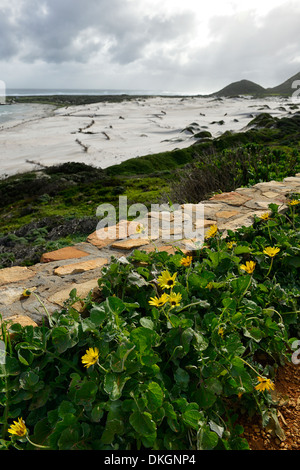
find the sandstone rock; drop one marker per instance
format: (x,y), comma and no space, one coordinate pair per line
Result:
(83,290)
(130,243)
(82,267)
(271,195)
(9,295)
(204,223)
(233,198)
(22,320)
(15,274)
(68,252)
(103,237)
(226,214)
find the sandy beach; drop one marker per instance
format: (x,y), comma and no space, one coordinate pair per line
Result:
(104,134)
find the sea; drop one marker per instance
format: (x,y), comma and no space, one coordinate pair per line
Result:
(24,111)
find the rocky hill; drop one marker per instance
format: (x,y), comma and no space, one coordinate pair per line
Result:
(247,87)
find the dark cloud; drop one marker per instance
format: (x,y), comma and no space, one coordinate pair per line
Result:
(72,30)
(149,49)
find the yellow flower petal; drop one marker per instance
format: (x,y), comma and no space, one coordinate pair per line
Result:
(271,251)
(90,357)
(159,301)
(211,232)
(248,267)
(166,281)
(186,261)
(264,384)
(174,299)
(18,428)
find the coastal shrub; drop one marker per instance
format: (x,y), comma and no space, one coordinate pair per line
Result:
(231,168)
(168,356)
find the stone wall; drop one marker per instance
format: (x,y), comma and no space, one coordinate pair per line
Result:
(80,266)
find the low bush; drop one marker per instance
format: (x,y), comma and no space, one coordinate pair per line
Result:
(169,357)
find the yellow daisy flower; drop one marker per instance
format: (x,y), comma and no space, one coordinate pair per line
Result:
(166,281)
(186,261)
(230,245)
(264,384)
(90,357)
(174,299)
(270,251)
(159,301)
(26,293)
(221,331)
(265,216)
(248,267)
(294,202)
(18,428)
(140,228)
(211,232)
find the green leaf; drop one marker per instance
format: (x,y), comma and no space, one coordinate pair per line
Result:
(62,339)
(118,358)
(97,412)
(182,378)
(155,396)
(113,427)
(191,416)
(206,439)
(97,315)
(144,338)
(66,407)
(114,305)
(86,393)
(135,279)
(240,250)
(142,423)
(28,380)
(114,384)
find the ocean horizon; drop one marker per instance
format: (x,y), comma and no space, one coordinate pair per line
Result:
(85,91)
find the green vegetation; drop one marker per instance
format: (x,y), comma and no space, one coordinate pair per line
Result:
(170,356)
(62,200)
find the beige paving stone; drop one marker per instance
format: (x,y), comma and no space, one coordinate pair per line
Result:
(82,289)
(204,223)
(233,198)
(271,195)
(82,267)
(170,249)
(105,236)
(226,214)
(130,243)
(15,274)
(68,252)
(9,295)
(22,320)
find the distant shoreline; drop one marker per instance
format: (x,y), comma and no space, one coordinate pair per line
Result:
(106,130)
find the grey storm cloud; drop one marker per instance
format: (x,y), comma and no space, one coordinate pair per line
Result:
(72,30)
(121,39)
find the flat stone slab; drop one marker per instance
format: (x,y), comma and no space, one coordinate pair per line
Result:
(15,274)
(9,295)
(105,236)
(82,267)
(233,198)
(22,320)
(62,254)
(130,244)
(83,290)
(226,214)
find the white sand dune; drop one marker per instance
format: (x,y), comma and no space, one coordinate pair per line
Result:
(104,134)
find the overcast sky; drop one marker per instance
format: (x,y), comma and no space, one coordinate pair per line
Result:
(187,46)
